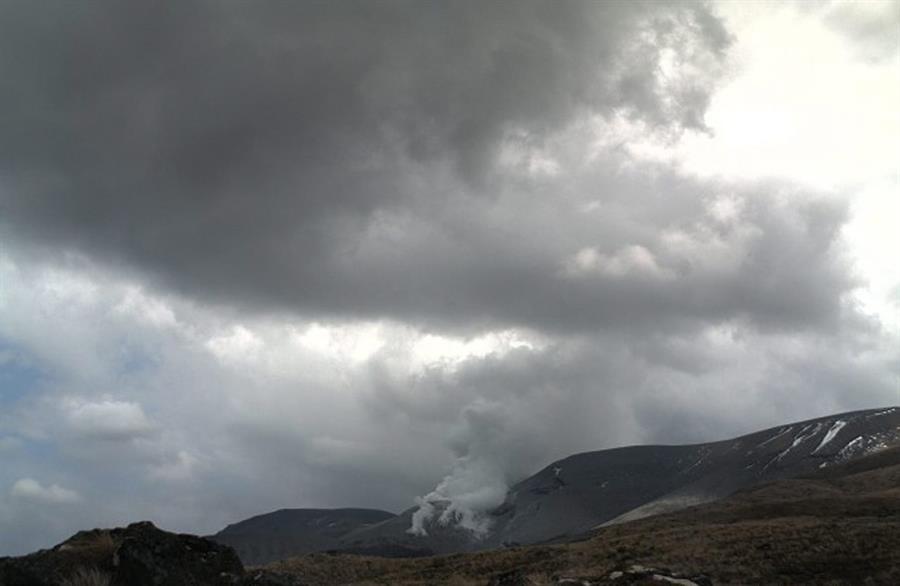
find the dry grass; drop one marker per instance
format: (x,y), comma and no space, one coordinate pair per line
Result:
(87,577)
(778,551)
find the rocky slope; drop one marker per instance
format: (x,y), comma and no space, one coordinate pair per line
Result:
(836,525)
(583,491)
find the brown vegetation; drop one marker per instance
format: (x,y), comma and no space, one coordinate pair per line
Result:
(87,577)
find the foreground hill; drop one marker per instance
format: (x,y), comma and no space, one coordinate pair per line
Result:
(583,491)
(281,534)
(137,555)
(836,525)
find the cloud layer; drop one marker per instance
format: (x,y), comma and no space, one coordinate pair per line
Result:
(302,156)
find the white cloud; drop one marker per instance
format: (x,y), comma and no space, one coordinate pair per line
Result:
(31,490)
(237,346)
(108,419)
(355,342)
(146,307)
(629,261)
(807,103)
(430,349)
(799,105)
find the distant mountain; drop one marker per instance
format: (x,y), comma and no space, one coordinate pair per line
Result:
(584,491)
(839,524)
(287,532)
(811,502)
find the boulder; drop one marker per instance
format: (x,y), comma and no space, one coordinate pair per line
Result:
(147,556)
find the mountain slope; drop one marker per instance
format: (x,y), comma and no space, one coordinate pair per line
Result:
(587,490)
(839,524)
(287,532)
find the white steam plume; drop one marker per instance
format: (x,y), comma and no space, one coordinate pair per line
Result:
(463,497)
(478,481)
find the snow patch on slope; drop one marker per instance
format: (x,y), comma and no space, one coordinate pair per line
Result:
(832,433)
(879,413)
(850,447)
(781,432)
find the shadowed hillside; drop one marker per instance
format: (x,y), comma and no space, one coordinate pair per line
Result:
(830,515)
(288,532)
(583,491)
(839,525)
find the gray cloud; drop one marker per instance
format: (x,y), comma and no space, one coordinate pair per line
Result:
(247,419)
(248,153)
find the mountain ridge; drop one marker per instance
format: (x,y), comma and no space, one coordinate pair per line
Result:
(824,507)
(836,525)
(264,538)
(580,492)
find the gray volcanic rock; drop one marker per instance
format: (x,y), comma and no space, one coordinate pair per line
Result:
(581,492)
(287,532)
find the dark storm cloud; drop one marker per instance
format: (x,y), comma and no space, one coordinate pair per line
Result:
(648,256)
(250,152)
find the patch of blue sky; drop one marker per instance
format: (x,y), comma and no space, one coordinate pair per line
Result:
(134,359)
(19,374)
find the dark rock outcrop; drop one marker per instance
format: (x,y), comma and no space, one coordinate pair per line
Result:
(137,555)
(147,556)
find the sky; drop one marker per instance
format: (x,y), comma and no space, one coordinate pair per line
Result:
(266,255)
